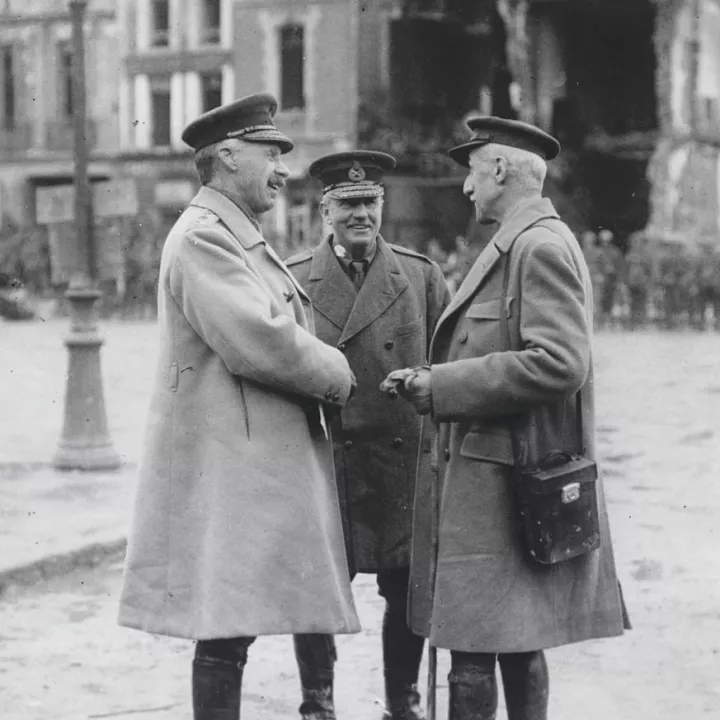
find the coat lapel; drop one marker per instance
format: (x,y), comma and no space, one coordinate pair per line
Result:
(524,216)
(330,289)
(240,225)
(385,281)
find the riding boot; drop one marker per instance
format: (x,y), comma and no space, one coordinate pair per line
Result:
(402,653)
(315,655)
(473,693)
(526,683)
(217,678)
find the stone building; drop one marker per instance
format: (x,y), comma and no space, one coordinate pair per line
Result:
(36,135)
(631,87)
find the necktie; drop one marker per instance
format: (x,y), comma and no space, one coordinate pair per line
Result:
(358,271)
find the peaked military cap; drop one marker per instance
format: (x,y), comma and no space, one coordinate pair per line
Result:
(489,129)
(251,119)
(354,174)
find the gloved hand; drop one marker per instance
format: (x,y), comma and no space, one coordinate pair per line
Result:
(413,385)
(394,384)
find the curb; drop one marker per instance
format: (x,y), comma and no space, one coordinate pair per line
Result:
(52,566)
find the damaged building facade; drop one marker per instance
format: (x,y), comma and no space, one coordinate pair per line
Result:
(632,87)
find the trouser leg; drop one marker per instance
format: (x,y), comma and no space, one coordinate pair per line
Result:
(472,687)
(402,649)
(316,655)
(217,678)
(526,684)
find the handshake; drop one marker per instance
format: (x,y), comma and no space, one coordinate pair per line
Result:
(413,385)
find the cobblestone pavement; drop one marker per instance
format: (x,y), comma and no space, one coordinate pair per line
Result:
(62,656)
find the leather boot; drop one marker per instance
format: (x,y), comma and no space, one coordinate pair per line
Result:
(526,682)
(473,692)
(217,678)
(315,655)
(216,688)
(402,653)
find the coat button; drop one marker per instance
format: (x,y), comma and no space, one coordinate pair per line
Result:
(348,444)
(336,397)
(389,345)
(342,347)
(463,337)
(397,442)
(329,395)
(447,454)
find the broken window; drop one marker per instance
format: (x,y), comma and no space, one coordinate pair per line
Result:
(211,84)
(210,22)
(65,84)
(292,67)
(160,101)
(709,69)
(160,36)
(8,88)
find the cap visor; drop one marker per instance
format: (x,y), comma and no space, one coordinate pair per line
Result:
(461,153)
(356,190)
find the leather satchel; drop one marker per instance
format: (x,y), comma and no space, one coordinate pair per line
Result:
(556,500)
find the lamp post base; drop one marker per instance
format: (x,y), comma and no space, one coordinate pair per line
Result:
(85,442)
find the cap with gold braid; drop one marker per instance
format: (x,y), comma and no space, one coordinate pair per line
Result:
(251,119)
(355,174)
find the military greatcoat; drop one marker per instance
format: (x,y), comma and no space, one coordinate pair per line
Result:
(237,527)
(385,326)
(473,588)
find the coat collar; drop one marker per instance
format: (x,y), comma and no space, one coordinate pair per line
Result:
(522,217)
(330,289)
(242,228)
(239,224)
(334,296)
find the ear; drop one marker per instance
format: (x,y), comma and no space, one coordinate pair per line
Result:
(501,170)
(226,157)
(325,212)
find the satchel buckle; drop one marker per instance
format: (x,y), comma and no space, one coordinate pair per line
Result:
(570,493)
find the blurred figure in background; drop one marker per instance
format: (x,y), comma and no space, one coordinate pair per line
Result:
(638,280)
(610,260)
(709,285)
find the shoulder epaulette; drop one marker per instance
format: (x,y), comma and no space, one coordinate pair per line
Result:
(303,256)
(406,251)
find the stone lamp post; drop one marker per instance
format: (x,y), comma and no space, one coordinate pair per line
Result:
(85,441)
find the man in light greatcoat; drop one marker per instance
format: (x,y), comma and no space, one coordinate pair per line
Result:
(475,589)
(237,529)
(377,303)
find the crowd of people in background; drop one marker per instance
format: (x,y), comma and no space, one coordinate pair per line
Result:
(650,285)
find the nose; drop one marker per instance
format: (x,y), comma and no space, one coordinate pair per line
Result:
(467,186)
(282,169)
(360,210)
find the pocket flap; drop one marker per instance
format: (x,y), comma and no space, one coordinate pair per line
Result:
(489,310)
(409,328)
(492,447)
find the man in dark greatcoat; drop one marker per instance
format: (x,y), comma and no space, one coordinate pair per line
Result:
(378,304)
(512,350)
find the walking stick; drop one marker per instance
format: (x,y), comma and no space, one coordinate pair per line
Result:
(434,522)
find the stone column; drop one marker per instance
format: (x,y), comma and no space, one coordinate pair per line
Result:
(177,109)
(142,119)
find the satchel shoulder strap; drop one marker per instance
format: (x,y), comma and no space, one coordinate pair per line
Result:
(505,328)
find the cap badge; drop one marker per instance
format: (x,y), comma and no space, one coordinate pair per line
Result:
(356,172)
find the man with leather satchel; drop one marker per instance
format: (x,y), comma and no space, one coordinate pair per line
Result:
(511,546)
